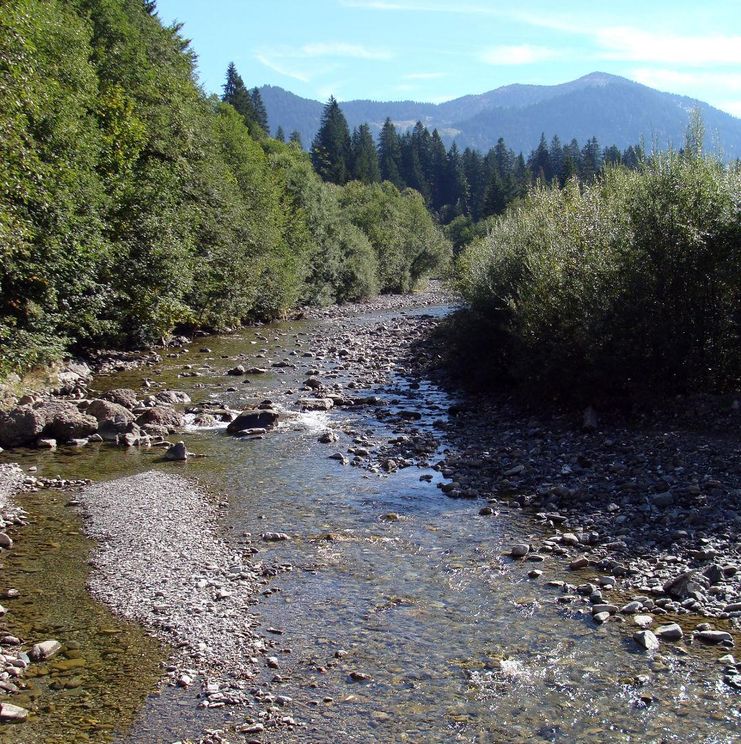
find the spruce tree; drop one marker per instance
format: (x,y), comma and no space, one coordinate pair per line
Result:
(280,134)
(330,150)
(389,154)
(295,138)
(364,156)
(237,95)
(260,112)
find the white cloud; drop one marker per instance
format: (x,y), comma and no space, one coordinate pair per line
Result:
(684,79)
(625,43)
(282,69)
(523,54)
(341,49)
(732,107)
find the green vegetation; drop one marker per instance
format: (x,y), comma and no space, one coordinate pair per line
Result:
(628,284)
(130,203)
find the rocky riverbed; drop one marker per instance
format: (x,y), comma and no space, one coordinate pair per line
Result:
(632,523)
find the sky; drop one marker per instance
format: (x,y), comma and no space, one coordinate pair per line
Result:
(436,50)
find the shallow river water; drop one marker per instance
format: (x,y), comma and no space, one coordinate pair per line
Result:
(457,642)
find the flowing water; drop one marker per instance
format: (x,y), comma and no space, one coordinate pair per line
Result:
(458,644)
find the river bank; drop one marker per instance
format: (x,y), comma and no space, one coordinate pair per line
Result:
(168,548)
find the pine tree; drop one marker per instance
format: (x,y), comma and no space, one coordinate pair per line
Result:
(591,160)
(295,138)
(280,134)
(261,113)
(556,155)
(439,164)
(364,156)
(389,154)
(330,150)
(237,95)
(539,161)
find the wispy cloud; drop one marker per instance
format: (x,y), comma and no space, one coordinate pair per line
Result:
(281,69)
(661,77)
(425,7)
(307,62)
(341,49)
(625,43)
(522,54)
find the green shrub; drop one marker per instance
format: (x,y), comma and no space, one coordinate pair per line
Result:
(630,283)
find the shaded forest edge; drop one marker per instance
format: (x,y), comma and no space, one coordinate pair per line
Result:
(131,203)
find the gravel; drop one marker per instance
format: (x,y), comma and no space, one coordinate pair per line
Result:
(160,561)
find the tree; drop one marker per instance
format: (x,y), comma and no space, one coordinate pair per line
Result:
(389,154)
(295,138)
(280,134)
(330,150)
(364,156)
(237,95)
(260,112)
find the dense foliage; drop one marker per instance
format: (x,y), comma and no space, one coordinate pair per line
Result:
(628,284)
(463,188)
(130,203)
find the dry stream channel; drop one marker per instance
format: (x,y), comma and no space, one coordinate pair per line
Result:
(448,638)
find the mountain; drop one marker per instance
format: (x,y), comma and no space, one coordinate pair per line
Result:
(614,109)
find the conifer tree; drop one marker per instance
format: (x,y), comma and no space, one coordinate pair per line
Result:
(237,95)
(330,150)
(260,112)
(364,156)
(389,154)
(295,138)
(280,134)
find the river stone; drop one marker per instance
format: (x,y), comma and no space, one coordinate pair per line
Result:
(64,421)
(122,396)
(520,550)
(20,426)
(172,397)
(177,452)
(601,617)
(713,636)
(161,416)
(316,404)
(670,632)
(643,621)
(603,607)
(5,541)
(254,419)
(683,585)
(45,650)
(12,713)
(646,639)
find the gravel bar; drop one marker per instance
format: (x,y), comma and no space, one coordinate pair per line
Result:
(160,561)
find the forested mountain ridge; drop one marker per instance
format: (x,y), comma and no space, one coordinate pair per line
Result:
(613,109)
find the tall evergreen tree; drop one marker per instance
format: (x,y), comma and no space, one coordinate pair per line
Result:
(237,95)
(296,138)
(591,160)
(389,154)
(260,112)
(330,150)
(280,135)
(539,161)
(364,156)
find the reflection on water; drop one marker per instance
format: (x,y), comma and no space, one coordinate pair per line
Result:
(457,643)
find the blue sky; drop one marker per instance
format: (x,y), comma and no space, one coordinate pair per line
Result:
(435,50)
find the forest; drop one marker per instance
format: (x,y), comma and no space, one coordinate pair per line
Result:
(131,203)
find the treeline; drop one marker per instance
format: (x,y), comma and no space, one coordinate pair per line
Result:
(458,187)
(131,203)
(611,289)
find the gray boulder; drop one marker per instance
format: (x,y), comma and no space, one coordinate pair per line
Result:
(20,426)
(113,419)
(123,396)
(254,419)
(161,416)
(177,452)
(63,421)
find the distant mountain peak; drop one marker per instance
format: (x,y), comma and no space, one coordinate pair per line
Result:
(616,110)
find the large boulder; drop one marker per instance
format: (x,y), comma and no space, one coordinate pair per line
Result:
(161,416)
(20,426)
(106,412)
(123,396)
(172,396)
(686,585)
(254,419)
(63,421)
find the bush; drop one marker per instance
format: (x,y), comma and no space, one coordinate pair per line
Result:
(628,284)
